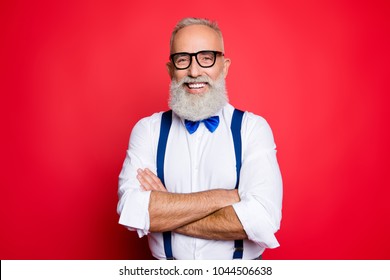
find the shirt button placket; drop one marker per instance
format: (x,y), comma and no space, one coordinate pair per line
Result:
(195,163)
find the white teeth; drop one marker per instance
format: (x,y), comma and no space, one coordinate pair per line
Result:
(195,86)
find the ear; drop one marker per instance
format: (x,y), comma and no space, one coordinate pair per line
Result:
(226,65)
(170,69)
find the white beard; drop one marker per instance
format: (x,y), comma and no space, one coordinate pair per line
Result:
(196,107)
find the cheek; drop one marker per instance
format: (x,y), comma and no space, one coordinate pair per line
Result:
(215,75)
(216,71)
(178,75)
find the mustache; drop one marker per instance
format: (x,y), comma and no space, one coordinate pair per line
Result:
(197,107)
(200,79)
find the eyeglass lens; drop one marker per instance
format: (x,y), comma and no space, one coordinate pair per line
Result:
(204,59)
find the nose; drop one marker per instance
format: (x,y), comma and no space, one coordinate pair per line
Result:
(194,70)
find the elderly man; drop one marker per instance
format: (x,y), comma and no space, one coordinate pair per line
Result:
(201,180)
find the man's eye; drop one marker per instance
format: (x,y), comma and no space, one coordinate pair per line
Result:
(182,59)
(207,58)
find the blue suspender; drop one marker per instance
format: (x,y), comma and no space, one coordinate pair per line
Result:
(236,132)
(166,121)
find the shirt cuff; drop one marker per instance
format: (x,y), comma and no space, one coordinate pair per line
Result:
(257,224)
(135,214)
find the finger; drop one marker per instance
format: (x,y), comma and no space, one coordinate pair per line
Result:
(144,183)
(155,179)
(147,181)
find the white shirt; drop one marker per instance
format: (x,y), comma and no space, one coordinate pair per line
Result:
(203,161)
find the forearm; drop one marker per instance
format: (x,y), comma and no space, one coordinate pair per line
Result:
(169,211)
(220,225)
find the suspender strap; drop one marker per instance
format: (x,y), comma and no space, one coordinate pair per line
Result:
(167,235)
(166,121)
(236,132)
(238,249)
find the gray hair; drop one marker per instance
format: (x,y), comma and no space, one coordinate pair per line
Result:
(195,21)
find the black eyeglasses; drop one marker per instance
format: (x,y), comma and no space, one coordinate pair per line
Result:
(205,59)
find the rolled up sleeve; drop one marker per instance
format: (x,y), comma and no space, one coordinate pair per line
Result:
(133,202)
(260,188)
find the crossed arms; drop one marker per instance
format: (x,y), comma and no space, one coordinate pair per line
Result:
(219,214)
(207,214)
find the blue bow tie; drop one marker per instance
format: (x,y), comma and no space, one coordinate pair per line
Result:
(211,124)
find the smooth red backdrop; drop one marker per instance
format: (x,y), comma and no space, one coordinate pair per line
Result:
(77,75)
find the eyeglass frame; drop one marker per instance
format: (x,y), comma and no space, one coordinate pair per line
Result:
(196,58)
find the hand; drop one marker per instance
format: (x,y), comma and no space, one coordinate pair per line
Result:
(149,181)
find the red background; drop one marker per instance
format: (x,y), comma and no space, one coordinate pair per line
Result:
(77,75)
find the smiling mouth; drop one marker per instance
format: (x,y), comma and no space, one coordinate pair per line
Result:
(196,85)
